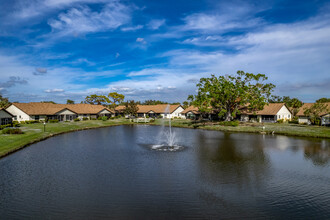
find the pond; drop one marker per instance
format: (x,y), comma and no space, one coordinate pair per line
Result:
(113,173)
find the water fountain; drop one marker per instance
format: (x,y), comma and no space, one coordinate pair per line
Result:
(166,136)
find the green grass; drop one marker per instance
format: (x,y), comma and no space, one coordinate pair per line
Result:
(284,129)
(35,132)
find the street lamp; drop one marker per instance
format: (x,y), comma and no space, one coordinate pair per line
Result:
(44,126)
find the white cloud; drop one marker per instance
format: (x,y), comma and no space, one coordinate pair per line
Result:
(82,20)
(54,90)
(156,24)
(132,28)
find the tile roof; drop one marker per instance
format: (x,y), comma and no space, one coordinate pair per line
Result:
(39,108)
(308,105)
(269,109)
(161,108)
(192,109)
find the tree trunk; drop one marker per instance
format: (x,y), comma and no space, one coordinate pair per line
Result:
(228,116)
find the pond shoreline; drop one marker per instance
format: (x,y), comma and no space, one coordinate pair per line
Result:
(176,123)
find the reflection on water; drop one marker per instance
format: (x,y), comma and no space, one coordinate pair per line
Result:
(110,173)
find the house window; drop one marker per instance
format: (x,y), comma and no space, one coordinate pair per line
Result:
(37,117)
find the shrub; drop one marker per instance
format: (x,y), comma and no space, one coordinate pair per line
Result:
(112,118)
(31,121)
(85,118)
(4,126)
(280,120)
(99,118)
(104,118)
(93,118)
(12,131)
(76,119)
(229,123)
(293,122)
(53,121)
(16,124)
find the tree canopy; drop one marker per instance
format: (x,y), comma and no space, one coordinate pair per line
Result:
(131,108)
(224,95)
(96,99)
(4,102)
(69,101)
(114,99)
(323,100)
(314,112)
(293,103)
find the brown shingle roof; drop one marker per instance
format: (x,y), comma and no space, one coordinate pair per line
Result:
(39,108)
(269,109)
(192,109)
(161,108)
(308,105)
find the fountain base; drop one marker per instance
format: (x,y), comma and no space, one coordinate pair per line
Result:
(161,147)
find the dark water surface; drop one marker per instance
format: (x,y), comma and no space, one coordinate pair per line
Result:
(111,173)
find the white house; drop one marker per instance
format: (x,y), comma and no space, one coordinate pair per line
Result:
(272,112)
(61,112)
(5,117)
(161,110)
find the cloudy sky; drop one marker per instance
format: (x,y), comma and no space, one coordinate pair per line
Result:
(60,49)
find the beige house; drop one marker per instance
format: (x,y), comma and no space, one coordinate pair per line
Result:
(272,112)
(161,110)
(5,117)
(61,112)
(191,112)
(324,116)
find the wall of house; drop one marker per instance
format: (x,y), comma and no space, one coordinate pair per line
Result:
(4,114)
(20,115)
(81,116)
(41,117)
(303,119)
(325,120)
(105,112)
(284,113)
(244,118)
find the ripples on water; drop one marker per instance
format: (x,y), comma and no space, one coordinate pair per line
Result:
(110,173)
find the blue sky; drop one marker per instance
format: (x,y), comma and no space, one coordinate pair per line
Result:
(67,49)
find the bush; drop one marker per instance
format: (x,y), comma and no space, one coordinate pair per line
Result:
(85,118)
(229,123)
(93,118)
(4,126)
(12,131)
(53,121)
(31,121)
(293,122)
(99,118)
(104,118)
(76,119)
(112,118)
(16,124)
(280,120)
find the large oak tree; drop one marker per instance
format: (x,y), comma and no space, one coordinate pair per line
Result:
(224,95)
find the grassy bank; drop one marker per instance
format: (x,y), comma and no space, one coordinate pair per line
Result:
(276,128)
(35,132)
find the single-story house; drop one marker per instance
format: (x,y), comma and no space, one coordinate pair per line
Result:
(271,112)
(324,116)
(191,112)
(5,117)
(62,112)
(161,110)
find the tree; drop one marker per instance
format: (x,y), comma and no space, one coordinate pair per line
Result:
(4,102)
(48,102)
(314,112)
(323,100)
(131,108)
(96,99)
(114,99)
(224,95)
(153,102)
(185,104)
(69,101)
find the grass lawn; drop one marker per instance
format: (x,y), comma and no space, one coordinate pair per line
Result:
(285,128)
(35,132)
